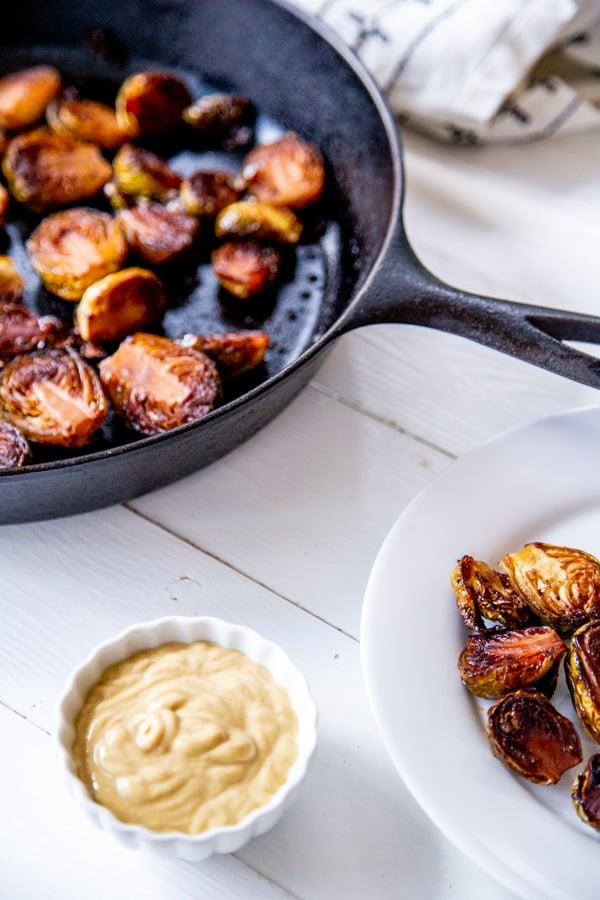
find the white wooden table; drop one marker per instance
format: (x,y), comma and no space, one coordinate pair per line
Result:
(281,535)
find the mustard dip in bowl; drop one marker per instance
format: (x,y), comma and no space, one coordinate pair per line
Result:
(186,736)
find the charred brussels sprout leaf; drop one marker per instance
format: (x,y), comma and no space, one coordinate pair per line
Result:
(73,248)
(482,593)
(155,384)
(560,584)
(585,792)
(495,664)
(120,304)
(582,669)
(45,171)
(532,738)
(288,172)
(53,397)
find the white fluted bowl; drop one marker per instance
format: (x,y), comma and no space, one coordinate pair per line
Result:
(224,839)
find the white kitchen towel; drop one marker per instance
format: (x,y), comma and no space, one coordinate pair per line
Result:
(474,71)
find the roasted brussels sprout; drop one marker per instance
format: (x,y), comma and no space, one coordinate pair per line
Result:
(138,172)
(86,120)
(22,330)
(234,352)
(73,248)
(532,738)
(151,103)
(45,171)
(24,96)
(14,447)
(119,304)
(585,792)
(482,593)
(245,268)
(53,397)
(249,219)
(4,204)
(155,384)
(288,172)
(224,118)
(560,584)
(206,193)
(582,669)
(155,233)
(492,665)
(12,283)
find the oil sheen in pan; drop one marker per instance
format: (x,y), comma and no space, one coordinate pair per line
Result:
(294,313)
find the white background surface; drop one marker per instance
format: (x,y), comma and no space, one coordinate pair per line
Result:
(282,534)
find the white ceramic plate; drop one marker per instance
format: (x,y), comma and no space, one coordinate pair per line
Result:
(541,482)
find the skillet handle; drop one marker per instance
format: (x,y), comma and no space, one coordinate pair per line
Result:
(404,291)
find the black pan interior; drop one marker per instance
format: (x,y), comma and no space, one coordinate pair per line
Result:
(297,81)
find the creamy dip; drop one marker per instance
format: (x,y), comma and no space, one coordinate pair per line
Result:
(185,737)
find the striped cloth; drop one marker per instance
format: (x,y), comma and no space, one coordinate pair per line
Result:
(478,71)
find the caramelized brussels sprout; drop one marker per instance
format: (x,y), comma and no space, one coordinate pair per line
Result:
(12,284)
(14,447)
(495,664)
(157,234)
(245,268)
(119,304)
(482,593)
(86,120)
(139,172)
(585,792)
(224,118)
(24,96)
(289,172)
(560,584)
(582,669)
(532,738)
(4,204)
(46,171)
(155,384)
(73,248)
(249,219)
(22,330)
(151,103)
(204,194)
(234,352)
(54,397)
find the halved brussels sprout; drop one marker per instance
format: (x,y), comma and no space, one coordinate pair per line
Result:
(245,268)
(86,120)
(532,738)
(582,669)
(560,584)
(119,304)
(73,248)
(288,172)
(22,330)
(138,172)
(482,593)
(234,352)
(495,664)
(157,234)
(14,447)
(53,397)
(224,118)
(46,171)
(155,384)
(24,96)
(249,219)
(585,792)
(206,193)
(151,102)
(12,283)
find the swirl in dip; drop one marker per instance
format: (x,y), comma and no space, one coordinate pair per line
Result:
(185,737)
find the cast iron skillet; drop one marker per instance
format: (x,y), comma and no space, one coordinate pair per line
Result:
(355,267)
